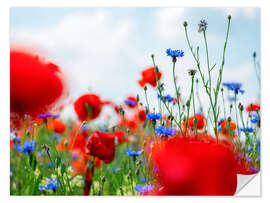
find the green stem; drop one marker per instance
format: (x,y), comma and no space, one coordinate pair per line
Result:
(177,94)
(160,93)
(208,66)
(189,101)
(194,111)
(198,97)
(236,116)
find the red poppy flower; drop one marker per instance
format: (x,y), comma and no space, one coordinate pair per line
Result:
(79,143)
(200,122)
(253,107)
(190,166)
(149,76)
(120,135)
(101,145)
(57,126)
(88,181)
(88,107)
(35,85)
(131,123)
(15,121)
(243,167)
(225,125)
(142,115)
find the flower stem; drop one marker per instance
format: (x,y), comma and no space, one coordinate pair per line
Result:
(160,93)
(189,100)
(177,94)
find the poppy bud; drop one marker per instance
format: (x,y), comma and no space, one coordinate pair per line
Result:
(66,143)
(145,88)
(138,98)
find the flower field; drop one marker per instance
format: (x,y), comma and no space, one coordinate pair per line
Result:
(178,147)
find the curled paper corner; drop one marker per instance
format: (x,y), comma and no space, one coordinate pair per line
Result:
(248,185)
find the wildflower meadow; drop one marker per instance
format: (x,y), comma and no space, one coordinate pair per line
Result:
(174,144)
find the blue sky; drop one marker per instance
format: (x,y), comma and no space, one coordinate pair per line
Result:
(103,50)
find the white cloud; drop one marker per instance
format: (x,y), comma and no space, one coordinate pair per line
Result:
(169,26)
(104,55)
(92,48)
(241,12)
(168,21)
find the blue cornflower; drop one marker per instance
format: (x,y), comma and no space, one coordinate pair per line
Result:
(166,98)
(153,116)
(50,164)
(234,86)
(174,53)
(57,137)
(52,185)
(252,169)
(17,147)
(41,187)
(130,102)
(84,128)
(144,189)
(165,131)
(104,130)
(48,115)
(254,118)
(17,139)
(133,153)
(250,130)
(28,147)
(202,25)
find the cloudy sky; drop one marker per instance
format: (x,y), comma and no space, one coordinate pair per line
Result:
(103,50)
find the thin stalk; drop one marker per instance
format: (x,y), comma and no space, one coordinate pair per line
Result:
(194,111)
(160,93)
(189,100)
(208,66)
(236,116)
(177,94)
